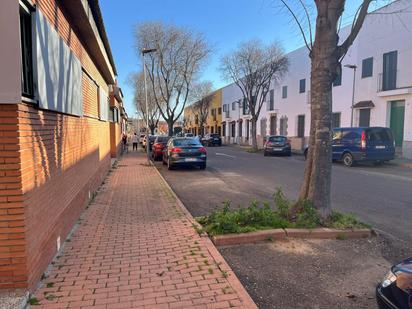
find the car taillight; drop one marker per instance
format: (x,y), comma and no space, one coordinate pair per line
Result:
(176,150)
(363,140)
(202,150)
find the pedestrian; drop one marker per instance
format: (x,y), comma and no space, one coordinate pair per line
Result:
(135,141)
(124,142)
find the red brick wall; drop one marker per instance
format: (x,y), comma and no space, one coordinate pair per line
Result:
(66,159)
(50,164)
(13,269)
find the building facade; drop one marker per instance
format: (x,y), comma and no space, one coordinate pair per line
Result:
(61,117)
(379,65)
(213,122)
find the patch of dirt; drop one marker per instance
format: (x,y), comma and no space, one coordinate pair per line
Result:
(310,273)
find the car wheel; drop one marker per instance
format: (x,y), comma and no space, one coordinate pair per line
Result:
(289,154)
(348,159)
(377,163)
(203,166)
(163,161)
(169,165)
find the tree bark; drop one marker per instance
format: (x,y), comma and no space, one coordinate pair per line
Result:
(170,123)
(325,64)
(253,134)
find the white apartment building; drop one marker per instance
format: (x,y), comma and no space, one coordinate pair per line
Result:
(382,54)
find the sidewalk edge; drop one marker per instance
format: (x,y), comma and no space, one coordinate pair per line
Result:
(232,278)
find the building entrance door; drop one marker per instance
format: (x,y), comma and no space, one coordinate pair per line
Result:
(397,121)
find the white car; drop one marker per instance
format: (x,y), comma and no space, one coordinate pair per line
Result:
(141,138)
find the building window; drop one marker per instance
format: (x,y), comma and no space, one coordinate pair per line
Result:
(283,126)
(272,100)
(245,106)
(219,111)
(26,52)
(302,85)
(338,80)
(240,129)
(263,128)
(233,127)
(224,129)
(301,126)
(390,67)
(367,67)
(364,117)
(284,92)
(233,106)
(335,120)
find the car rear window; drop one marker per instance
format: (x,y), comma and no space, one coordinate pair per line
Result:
(186,142)
(379,135)
(277,139)
(162,139)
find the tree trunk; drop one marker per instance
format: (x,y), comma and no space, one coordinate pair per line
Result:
(254,138)
(318,170)
(170,127)
(152,129)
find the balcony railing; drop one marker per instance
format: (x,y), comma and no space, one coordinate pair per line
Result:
(388,80)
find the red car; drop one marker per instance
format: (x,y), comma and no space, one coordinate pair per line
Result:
(158,145)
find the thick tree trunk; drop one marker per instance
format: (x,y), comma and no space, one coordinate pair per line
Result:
(318,170)
(170,127)
(152,129)
(254,137)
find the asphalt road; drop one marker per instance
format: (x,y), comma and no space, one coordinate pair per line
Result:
(379,195)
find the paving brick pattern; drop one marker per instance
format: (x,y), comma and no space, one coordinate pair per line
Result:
(135,247)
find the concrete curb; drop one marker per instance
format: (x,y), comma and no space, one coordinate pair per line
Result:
(282,234)
(247,301)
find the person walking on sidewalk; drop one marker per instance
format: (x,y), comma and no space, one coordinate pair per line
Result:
(135,141)
(124,143)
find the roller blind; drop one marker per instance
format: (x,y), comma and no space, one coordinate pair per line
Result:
(58,71)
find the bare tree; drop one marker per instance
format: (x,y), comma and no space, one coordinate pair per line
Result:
(174,66)
(202,92)
(254,67)
(152,115)
(326,54)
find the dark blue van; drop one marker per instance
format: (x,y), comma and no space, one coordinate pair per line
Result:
(373,144)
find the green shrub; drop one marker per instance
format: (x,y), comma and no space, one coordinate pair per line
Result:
(262,216)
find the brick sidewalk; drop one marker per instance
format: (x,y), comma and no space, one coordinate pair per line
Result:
(135,247)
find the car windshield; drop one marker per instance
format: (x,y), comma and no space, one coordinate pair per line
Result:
(277,139)
(186,142)
(162,139)
(214,135)
(379,135)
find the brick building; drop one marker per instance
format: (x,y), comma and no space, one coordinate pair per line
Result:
(61,120)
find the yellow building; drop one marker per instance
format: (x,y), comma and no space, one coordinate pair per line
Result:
(213,122)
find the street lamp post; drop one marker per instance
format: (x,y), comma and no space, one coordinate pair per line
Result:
(353,67)
(144,52)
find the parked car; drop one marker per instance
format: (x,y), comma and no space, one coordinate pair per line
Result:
(184,151)
(352,145)
(277,144)
(141,138)
(151,139)
(188,135)
(212,139)
(395,290)
(158,146)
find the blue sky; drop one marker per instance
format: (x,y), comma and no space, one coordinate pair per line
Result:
(225,23)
